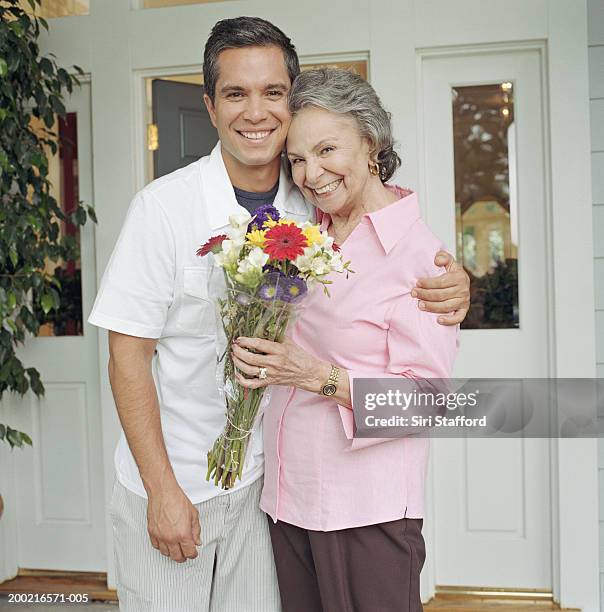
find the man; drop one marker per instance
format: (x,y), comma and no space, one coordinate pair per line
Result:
(181,543)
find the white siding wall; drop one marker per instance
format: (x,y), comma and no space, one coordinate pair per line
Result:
(596,95)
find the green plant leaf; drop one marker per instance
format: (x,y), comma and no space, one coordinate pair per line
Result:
(11,300)
(26,439)
(40,160)
(16,27)
(46,66)
(3,67)
(57,105)
(14,437)
(12,253)
(46,302)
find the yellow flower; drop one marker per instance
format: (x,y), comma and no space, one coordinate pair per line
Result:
(256,238)
(270,223)
(313,234)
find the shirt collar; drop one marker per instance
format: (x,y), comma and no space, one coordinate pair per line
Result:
(219,196)
(392,222)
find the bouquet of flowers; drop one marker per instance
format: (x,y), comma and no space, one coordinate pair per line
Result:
(268,264)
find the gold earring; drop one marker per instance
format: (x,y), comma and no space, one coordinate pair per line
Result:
(374,169)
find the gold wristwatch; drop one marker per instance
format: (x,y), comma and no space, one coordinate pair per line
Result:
(331,386)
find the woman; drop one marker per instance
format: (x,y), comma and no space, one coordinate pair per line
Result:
(347,514)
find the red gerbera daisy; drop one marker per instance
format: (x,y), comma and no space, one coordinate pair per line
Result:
(285,241)
(212,245)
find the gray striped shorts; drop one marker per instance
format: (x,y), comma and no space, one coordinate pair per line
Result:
(233,572)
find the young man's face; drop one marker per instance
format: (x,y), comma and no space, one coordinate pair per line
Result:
(249,109)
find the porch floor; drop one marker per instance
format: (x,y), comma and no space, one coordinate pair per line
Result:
(95,586)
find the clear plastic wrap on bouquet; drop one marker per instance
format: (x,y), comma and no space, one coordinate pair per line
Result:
(262,268)
(263,313)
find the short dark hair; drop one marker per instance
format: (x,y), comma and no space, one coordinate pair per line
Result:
(244,32)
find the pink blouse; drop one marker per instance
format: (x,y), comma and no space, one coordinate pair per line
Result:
(316,475)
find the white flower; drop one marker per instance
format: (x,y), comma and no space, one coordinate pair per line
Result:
(230,250)
(237,237)
(336,263)
(253,262)
(240,219)
(311,251)
(257,257)
(319,266)
(303,262)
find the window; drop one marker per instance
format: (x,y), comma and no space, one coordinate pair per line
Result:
(63,8)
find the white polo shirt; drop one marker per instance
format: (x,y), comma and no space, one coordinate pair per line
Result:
(155,286)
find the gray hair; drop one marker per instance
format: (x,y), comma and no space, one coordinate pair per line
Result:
(244,32)
(343,92)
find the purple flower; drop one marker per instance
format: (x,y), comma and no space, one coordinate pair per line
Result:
(294,289)
(262,214)
(272,287)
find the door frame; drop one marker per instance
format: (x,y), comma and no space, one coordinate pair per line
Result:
(573,524)
(142,103)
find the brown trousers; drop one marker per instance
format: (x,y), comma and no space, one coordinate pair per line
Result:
(365,569)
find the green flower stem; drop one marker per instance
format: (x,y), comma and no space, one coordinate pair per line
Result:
(252,318)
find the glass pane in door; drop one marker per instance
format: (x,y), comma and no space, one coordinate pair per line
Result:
(63,175)
(486,202)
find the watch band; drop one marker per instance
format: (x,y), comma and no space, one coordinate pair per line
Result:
(331,386)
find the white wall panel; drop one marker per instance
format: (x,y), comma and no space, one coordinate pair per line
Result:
(601,496)
(597,178)
(596,72)
(599,336)
(598,217)
(599,283)
(595,22)
(597,125)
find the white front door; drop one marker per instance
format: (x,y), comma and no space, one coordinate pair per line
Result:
(58,482)
(492,497)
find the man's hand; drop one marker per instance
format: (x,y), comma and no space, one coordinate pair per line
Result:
(173,524)
(448,294)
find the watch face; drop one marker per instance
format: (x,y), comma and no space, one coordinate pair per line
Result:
(329,389)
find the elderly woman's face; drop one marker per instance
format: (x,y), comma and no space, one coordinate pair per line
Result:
(329,159)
